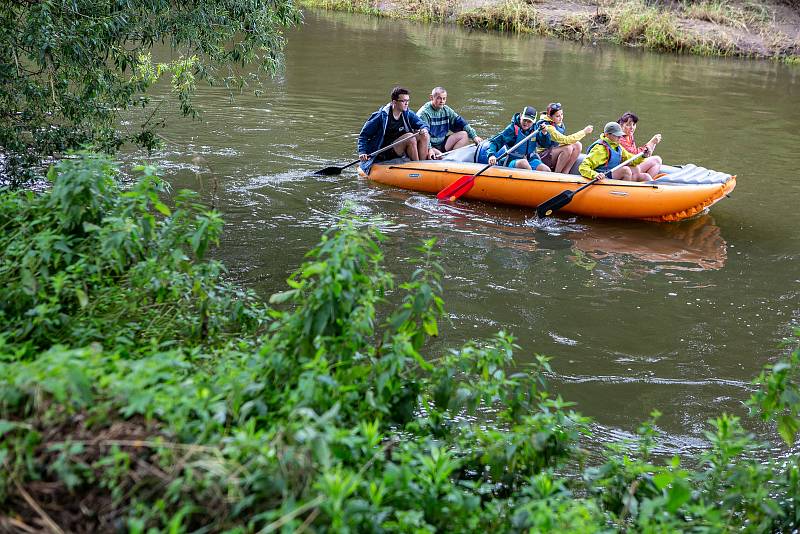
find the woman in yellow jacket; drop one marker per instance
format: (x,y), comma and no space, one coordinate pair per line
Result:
(556,149)
(606,153)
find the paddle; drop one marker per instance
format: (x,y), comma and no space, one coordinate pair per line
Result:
(465,183)
(545,209)
(330,171)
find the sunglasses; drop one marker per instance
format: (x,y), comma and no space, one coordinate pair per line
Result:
(554,107)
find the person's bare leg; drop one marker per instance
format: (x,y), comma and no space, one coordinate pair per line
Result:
(555,156)
(522,164)
(409,147)
(623,173)
(457,140)
(570,157)
(542,167)
(631,174)
(651,165)
(401,148)
(421,146)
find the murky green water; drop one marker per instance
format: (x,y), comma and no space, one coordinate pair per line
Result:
(637,316)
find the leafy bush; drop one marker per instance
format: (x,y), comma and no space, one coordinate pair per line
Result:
(87,262)
(327,413)
(71,70)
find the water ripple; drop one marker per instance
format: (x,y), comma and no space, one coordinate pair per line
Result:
(610,379)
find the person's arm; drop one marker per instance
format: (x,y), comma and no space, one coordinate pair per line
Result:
(629,144)
(597,156)
(500,140)
(416,122)
(627,155)
(562,139)
(458,123)
(653,142)
(369,131)
(425,117)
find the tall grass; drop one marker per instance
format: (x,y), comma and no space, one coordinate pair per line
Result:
(743,15)
(369,7)
(638,23)
(431,10)
(515,16)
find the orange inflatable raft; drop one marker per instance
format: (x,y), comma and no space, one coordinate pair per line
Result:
(683,192)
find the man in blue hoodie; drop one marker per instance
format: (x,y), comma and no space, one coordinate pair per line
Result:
(393,122)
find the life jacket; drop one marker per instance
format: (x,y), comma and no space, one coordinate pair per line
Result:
(526,151)
(482,154)
(543,139)
(614,155)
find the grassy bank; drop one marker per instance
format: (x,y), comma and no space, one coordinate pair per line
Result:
(140,392)
(710,27)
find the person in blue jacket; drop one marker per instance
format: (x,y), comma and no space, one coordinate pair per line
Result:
(393,122)
(524,157)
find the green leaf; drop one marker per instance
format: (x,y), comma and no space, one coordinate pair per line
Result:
(662,480)
(83,300)
(283,296)
(787,428)
(162,208)
(430,326)
(781,366)
(7,426)
(678,495)
(314,269)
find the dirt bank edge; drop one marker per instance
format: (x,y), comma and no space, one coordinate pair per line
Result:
(739,28)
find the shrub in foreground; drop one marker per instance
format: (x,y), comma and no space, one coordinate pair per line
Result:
(327,412)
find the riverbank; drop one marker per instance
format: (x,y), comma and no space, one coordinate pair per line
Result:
(737,28)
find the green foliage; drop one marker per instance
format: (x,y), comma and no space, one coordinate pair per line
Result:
(778,396)
(71,70)
(516,16)
(369,7)
(86,262)
(329,413)
(744,15)
(641,23)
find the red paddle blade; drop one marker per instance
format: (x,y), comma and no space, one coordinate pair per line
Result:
(457,188)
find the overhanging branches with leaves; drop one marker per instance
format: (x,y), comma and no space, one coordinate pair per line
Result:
(70,68)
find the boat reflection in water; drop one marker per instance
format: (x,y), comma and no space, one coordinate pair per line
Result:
(622,246)
(692,245)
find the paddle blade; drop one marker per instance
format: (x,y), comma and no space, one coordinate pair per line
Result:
(457,188)
(554,204)
(329,171)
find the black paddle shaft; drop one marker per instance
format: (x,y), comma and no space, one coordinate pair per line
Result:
(330,171)
(561,200)
(565,197)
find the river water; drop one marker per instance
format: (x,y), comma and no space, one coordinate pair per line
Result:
(636,316)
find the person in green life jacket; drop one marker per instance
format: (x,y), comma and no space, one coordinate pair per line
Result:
(441,119)
(525,156)
(606,153)
(556,149)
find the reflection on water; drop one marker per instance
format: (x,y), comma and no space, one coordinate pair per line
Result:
(693,245)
